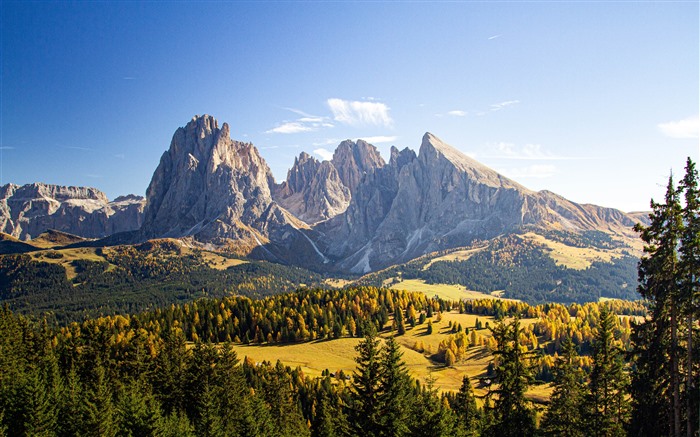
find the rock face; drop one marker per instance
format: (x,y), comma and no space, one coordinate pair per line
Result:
(29,210)
(441,199)
(355,159)
(217,190)
(354,213)
(313,191)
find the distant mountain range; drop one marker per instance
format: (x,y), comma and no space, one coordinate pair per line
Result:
(353,214)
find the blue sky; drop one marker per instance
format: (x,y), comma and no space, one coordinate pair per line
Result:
(596,101)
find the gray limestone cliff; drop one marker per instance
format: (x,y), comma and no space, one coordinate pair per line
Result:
(313,191)
(29,210)
(217,190)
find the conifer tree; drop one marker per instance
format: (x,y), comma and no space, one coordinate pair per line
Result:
(659,284)
(139,411)
(563,417)
(607,405)
(689,279)
(393,390)
(514,373)
(365,393)
(465,407)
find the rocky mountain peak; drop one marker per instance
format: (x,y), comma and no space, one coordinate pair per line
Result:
(355,159)
(29,210)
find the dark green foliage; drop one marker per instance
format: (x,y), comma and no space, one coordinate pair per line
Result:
(607,406)
(524,271)
(465,408)
(564,415)
(670,257)
(138,280)
(513,374)
(365,412)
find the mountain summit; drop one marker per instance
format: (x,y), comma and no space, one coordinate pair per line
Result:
(355,213)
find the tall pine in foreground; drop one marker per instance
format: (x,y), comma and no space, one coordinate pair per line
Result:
(514,373)
(689,277)
(607,405)
(663,388)
(563,417)
(365,394)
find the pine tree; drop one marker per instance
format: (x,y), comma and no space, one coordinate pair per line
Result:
(139,411)
(99,417)
(393,390)
(563,417)
(659,284)
(465,407)
(365,393)
(514,372)
(607,405)
(689,278)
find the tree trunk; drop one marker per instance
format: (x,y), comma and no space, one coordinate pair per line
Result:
(689,378)
(674,373)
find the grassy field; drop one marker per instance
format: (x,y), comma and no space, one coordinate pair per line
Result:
(457,255)
(578,258)
(443,291)
(315,356)
(67,257)
(219,262)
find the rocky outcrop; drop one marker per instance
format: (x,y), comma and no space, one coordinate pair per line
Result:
(29,210)
(313,191)
(353,160)
(442,199)
(217,190)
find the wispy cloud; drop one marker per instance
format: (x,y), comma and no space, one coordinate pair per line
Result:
(503,105)
(129,78)
(306,123)
(379,139)
(531,152)
(495,36)
(686,128)
(324,153)
(290,127)
(457,113)
(7,148)
(537,171)
(326,142)
(357,113)
(119,156)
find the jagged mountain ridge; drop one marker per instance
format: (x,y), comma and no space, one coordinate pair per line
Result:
(441,199)
(29,210)
(355,213)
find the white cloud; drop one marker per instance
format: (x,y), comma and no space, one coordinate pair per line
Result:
(502,105)
(378,139)
(326,154)
(494,37)
(326,142)
(686,128)
(290,127)
(537,171)
(457,113)
(356,113)
(532,152)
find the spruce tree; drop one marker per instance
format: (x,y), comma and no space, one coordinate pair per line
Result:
(689,278)
(659,285)
(465,407)
(607,404)
(393,390)
(365,392)
(513,374)
(563,417)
